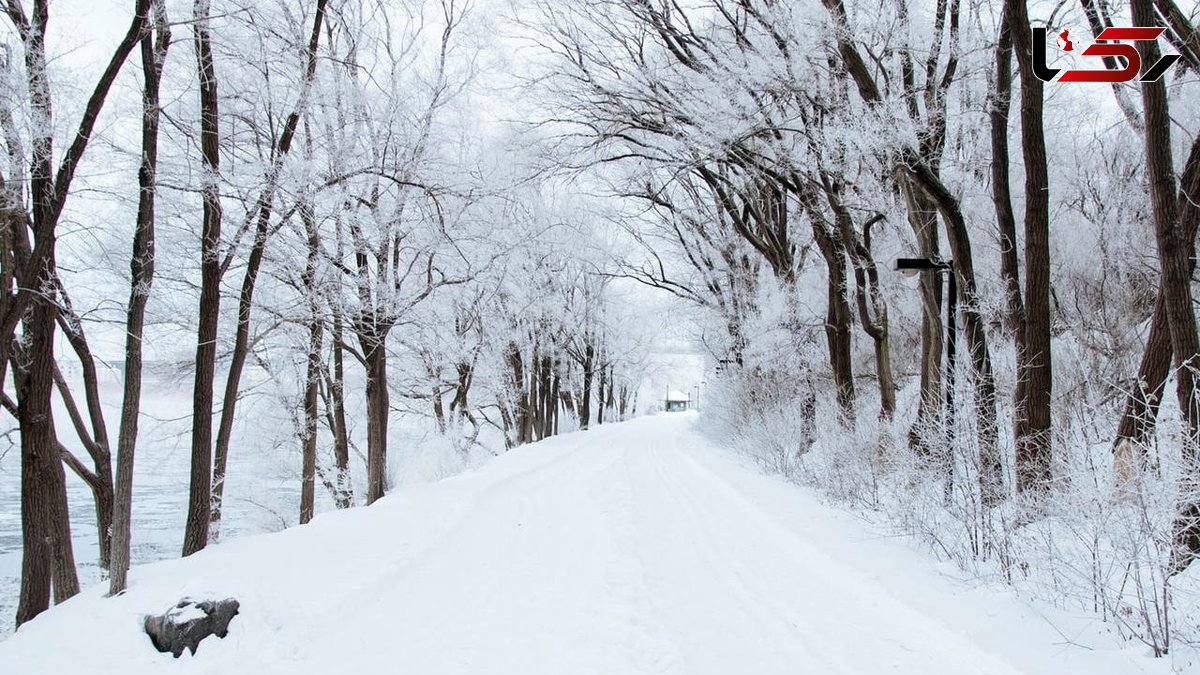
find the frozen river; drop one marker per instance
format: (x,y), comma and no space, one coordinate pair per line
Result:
(263,490)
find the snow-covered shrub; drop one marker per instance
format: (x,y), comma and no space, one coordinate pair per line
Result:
(1084,546)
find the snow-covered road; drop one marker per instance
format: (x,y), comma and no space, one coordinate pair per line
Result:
(630,548)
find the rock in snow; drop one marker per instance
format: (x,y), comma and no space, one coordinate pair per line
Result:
(189,622)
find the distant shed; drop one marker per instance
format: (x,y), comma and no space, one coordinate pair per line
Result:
(677,401)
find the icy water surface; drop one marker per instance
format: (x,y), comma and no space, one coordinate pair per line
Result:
(262,492)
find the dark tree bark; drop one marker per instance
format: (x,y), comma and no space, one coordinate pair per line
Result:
(991,470)
(534,400)
(439,411)
(547,399)
(372,338)
(1006,222)
(312,375)
(1014,316)
(602,391)
(1140,414)
(922,217)
(1176,287)
(1032,433)
(341,437)
(520,396)
(48,560)
(609,400)
(837,316)
(555,397)
(200,482)
(1138,419)
(872,308)
(141,269)
(1183,35)
(309,439)
(585,400)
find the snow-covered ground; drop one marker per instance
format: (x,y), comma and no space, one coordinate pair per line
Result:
(263,488)
(631,548)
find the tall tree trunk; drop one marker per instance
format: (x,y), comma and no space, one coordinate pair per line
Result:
(533,403)
(1001,102)
(601,394)
(141,269)
(585,400)
(312,375)
(608,401)
(341,438)
(1032,432)
(1187,525)
(838,337)
(1138,419)
(991,476)
(837,318)
(200,483)
(1176,288)
(555,396)
(520,396)
(48,560)
(922,217)
(529,411)
(547,400)
(36,561)
(373,340)
(872,308)
(95,439)
(309,442)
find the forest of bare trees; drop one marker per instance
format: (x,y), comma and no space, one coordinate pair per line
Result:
(765,150)
(315,199)
(358,206)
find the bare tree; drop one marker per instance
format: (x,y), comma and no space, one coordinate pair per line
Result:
(1032,416)
(141,267)
(921,175)
(1140,412)
(261,215)
(200,484)
(48,557)
(1176,285)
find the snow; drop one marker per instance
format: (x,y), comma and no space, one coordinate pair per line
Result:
(185,614)
(676,395)
(630,548)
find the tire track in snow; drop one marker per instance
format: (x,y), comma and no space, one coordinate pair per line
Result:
(846,616)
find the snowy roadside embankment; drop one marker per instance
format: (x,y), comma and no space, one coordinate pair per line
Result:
(634,547)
